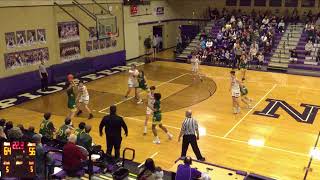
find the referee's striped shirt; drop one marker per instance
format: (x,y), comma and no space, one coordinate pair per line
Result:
(189,126)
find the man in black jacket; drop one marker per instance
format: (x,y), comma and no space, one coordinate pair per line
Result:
(113,124)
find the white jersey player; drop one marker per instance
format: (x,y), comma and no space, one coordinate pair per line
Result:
(133,83)
(195,62)
(235,92)
(150,108)
(83,99)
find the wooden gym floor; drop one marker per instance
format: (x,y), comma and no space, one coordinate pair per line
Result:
(224,136)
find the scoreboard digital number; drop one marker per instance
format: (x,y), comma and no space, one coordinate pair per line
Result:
(18,159)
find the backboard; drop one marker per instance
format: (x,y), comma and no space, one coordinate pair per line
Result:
(106,26)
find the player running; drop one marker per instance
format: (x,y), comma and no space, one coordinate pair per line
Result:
(244,95)
(83,99)
(157,119)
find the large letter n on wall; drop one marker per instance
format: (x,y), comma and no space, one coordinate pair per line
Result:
(307,116)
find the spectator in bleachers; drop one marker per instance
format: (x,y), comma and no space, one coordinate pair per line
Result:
(64,131)
(293,55)
(2,122)
(29,133)
(15,134)
(84,139)
(3,136)
(80,129)
(260,60)
(8,126)
(46,128)
(73,159)
(150,171)
(281,26)
(308,48)
(40,157)
(185,171)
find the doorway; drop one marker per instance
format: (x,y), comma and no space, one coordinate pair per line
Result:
(158,31)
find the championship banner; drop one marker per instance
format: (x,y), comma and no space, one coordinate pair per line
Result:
(25,58)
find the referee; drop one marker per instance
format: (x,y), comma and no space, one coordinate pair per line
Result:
(43,76)
(190,133)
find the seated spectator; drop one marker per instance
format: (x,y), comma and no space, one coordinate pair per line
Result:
(260,60)
(80,129)
(8,126)
(62,134)
(308,47)
(29,133)
(265,20)
(3,136)
(47,129)
(185,171)
(15,134)
(293,55)
(150,171)
(40,157)
(281,26)
(2,122)
(72,159)
(84,139)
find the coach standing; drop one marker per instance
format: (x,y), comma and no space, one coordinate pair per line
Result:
(113,124)
(190,133)
(43,76)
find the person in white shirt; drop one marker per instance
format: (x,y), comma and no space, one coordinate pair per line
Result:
(235,92)
(265,20)
(240,24)
(133,83)
(195,61)
(83,99)
(281,26)
(308,47)
(150,107)
(155,45)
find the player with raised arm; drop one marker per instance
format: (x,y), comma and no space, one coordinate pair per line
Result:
(133,83)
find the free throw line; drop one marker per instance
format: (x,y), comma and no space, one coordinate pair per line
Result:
(120,102)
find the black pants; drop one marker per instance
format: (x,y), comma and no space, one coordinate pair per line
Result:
(44,82)
(114,142)
(190,139)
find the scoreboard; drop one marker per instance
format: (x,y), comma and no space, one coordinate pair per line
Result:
(18,159)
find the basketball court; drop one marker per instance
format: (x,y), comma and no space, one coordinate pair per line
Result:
(277,147)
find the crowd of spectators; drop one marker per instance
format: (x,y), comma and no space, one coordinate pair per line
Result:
(241,39)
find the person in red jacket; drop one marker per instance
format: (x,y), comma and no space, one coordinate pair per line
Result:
(72,159)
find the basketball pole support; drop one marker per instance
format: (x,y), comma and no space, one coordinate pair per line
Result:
(63,9)
(84,9)
(107,10)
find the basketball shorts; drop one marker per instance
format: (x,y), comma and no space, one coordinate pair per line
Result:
(149,111)
(84,100)
(133,84)
(236,94)
(195,69)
